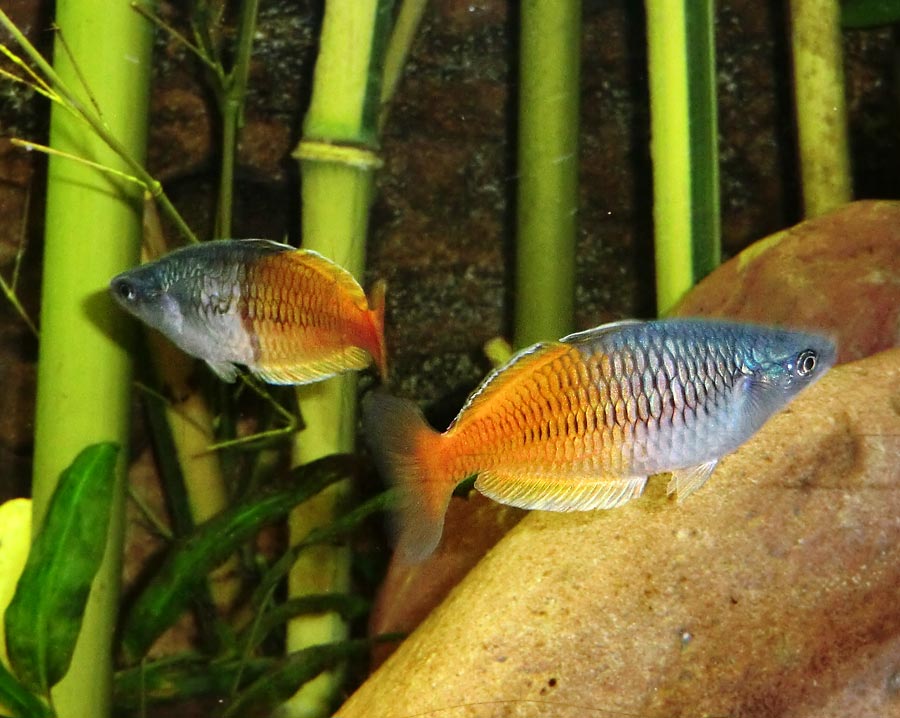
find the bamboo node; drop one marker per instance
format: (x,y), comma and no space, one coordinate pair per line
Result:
(352,155)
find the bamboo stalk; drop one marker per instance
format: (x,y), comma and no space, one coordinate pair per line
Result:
(93,232)
(821,107)
(683,145)
(548,169)
(337,162)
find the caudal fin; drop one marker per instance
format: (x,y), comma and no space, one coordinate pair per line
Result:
(408,453)
(376,304)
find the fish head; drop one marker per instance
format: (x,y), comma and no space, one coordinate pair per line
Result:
(782,363)
(144,293)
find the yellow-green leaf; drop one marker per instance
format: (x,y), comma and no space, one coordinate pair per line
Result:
(15,540)
(44,618)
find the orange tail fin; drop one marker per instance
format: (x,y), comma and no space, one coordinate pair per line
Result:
(408,453)
(376,304)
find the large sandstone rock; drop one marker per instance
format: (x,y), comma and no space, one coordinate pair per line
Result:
(770,592)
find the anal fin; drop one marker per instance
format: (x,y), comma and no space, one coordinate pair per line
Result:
(307,372)
(555,494)
(686,481)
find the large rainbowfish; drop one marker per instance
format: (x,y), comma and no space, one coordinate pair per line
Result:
(289,315)
(581,423)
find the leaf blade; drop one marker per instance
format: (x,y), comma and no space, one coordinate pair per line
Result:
(44,618)
(17,701)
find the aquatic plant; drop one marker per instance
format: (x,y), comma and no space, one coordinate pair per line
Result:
(820,105)
(547,179)
(684,145)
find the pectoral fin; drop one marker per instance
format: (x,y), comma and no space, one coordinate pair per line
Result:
(225,370)
(684,482)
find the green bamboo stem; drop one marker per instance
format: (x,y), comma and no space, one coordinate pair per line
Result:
(683,145)
(821,105)
(548,169)
(93,232)
(337,163)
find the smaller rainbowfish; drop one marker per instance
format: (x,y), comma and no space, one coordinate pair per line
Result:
(289,315)
(581,423)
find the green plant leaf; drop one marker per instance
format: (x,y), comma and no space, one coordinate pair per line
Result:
(298,668)
(182,677)
(338,529)
(869,13)
(16,701)
(44,618)
(346,605)
(190,559)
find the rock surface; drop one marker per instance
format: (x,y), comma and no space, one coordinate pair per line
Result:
(770,592)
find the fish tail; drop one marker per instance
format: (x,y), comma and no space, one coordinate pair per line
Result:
(376,304)
(409,453)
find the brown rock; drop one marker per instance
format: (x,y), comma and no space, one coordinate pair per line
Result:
(770,592)
(410,591)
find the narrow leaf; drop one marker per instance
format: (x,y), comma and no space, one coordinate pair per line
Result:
(16,701)
(346,605)
(338,529)
(298,668)
(193,557)
(44,618)
(182,677)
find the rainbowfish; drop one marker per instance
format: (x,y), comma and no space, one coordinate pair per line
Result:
(289,315)
(580,423)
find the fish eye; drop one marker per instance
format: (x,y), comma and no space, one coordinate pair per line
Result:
(126,290)
(806,362)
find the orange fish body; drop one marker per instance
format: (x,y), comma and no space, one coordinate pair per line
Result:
(310,319)
(581,423)
(291,316)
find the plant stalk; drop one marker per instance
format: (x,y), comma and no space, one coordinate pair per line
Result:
(821,106)
(549,91)
(93,232)
(234,93)
(684,141)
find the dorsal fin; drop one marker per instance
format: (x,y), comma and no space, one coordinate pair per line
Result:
(590,334)
(518,366)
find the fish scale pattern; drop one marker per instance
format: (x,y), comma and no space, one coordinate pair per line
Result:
(615,405)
